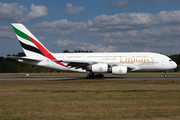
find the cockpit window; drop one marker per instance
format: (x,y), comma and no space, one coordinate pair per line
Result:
(170,60)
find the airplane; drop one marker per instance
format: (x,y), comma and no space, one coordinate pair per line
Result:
(95,64)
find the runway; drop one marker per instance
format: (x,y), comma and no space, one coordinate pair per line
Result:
(83,78)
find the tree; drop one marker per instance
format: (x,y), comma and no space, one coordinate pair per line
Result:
(21,54)
(66,51)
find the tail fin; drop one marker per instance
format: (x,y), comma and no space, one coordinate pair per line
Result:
(29,43)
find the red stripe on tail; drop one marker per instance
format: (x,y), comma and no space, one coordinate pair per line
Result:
(46,52)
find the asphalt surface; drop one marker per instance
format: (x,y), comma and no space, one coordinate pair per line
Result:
(83,78)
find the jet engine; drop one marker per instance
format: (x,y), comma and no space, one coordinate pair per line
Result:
(104,68)
(119,70)
(98,68)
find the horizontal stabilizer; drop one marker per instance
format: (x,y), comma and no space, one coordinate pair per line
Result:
(22,58)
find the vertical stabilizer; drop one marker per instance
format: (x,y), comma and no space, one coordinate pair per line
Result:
(30,44)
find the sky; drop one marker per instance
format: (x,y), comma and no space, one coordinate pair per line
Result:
(96,25)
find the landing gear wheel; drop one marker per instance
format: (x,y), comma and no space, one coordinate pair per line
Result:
(165,75)
(99,75)
(90,75)
(102,75)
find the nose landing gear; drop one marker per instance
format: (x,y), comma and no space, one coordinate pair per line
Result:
(165,75)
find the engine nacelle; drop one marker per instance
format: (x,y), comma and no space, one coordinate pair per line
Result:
(119,70)
(100,68)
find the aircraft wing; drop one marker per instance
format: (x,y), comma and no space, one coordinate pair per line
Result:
(133,68)
(73,61)
(77,63)
(83,64)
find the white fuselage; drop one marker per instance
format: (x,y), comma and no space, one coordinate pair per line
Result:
(134,61)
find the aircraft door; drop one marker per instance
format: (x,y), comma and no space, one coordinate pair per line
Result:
(163,63)
(84,57)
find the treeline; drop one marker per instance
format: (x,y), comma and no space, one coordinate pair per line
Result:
(12,66)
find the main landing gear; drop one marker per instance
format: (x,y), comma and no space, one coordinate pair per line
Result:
(91,75)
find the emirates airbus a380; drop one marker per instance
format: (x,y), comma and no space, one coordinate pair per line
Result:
(95,64)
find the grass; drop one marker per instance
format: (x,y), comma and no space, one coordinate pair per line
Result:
(96,91)
(90,99)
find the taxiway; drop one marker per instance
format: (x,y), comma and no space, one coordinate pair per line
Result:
(83,78)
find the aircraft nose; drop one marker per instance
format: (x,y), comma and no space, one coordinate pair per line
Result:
(174,64)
